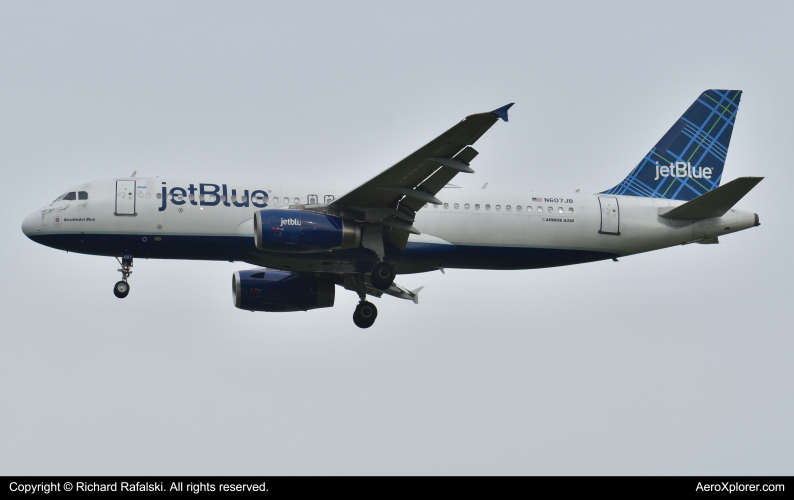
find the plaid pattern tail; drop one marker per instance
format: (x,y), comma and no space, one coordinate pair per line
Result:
(688,160)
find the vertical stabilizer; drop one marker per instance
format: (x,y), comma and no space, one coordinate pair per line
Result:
(688,160)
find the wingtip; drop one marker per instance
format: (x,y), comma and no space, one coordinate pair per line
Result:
(502,112)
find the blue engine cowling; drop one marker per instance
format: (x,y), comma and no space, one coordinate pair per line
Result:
(280,291)
(304,232)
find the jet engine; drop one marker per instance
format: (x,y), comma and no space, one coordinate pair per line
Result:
(303,232)
(280,291)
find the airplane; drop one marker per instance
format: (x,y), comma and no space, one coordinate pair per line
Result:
(305,239)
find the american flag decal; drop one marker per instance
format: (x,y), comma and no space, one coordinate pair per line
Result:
(538,199)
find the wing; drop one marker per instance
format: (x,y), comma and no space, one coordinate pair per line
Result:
(392,198)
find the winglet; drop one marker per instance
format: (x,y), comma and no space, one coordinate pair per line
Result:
(502,112)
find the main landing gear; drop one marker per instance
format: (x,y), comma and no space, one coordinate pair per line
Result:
(366,312)
(382,276)
(121,289)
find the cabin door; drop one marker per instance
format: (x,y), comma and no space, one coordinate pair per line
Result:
(610,215)
(125,198)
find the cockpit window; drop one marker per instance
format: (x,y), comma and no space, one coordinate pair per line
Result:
(70,196)
(59,198)
(82,195)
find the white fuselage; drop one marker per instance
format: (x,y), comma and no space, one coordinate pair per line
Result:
(485,220)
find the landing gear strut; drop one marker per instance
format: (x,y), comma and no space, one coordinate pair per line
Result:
(121,289)
(382,276)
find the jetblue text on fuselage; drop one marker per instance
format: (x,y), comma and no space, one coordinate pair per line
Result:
(290,222)
(211,195)
(681,169)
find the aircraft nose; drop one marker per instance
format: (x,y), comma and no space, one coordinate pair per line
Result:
(31,224)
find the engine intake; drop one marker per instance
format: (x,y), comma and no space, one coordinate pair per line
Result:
(280,291)
(303,232)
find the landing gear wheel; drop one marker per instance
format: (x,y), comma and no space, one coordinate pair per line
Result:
(382,276)
(121,289)
(365,314)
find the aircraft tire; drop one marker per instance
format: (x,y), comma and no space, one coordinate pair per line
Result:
(365,314)
(382,276)
(121,289)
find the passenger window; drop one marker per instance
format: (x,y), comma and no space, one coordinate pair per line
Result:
(570,210)
(540,209)
(508,208)
(551,210)
(498,207)
(70,196)
(275,200)
(446,205)
(466,206)
(435,205)
(329,198)
(243,199)
(518,208)
(487,207)
(560,210)
(159,195)
(82,195)
(312,199)
(529,209)
(297,200)
(477,206)
(457,206)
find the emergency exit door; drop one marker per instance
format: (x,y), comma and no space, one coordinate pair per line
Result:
(125,198)
(610,215)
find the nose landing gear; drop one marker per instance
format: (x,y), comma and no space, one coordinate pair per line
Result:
(121,289)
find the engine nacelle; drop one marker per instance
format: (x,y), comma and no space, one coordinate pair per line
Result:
(280,291)
(304,232)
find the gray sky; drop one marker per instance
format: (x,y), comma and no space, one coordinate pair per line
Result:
(672,362)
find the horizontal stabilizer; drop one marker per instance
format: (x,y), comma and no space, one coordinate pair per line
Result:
(716,202)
